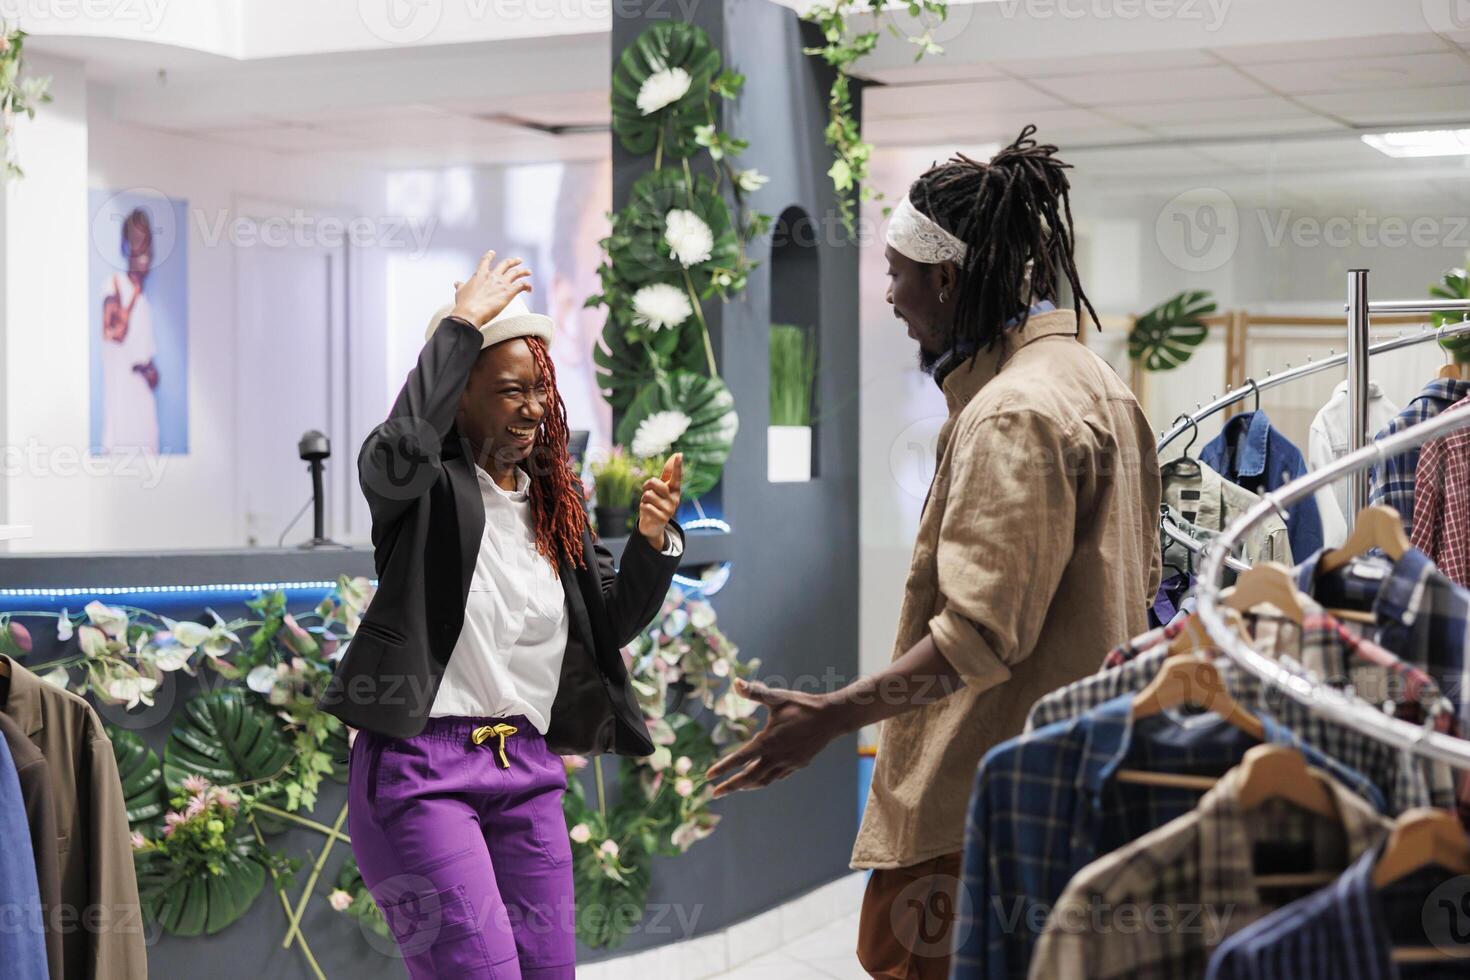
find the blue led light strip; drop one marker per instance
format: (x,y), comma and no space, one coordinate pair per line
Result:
(251,587)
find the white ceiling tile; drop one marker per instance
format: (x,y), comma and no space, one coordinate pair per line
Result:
(285,139)
(1323,155)
(1137,87)
(1215,110)
(1060,126)
(961,99)
(1373,107)
(1350,47)
(1093,64)
(934,70)
(1351,74)
(552,109)
(1214,129)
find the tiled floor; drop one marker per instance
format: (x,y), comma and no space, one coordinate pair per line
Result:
(811,937)
(823,954)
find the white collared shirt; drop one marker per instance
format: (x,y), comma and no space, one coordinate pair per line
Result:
(509,654)
(1328,441)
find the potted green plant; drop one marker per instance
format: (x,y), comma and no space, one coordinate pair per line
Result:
(619,478)
(793,373)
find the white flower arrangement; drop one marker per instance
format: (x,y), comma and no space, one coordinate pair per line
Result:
(751,180)
(688,237)
(662,89)
(658,433)
(661,306)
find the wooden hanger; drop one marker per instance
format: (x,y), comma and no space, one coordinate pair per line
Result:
(1420,838)
(1454,371)
(1378,526)
(1266,581)
(1279,772)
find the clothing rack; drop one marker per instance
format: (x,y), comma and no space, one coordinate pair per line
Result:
(1358,395)
(1346,709)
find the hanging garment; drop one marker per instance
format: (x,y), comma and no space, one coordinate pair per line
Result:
(95,852)
(22,938)
(1210,502)
(1337,931)
(1330,439)
(1404,780)
(1392,482)
(35,790)
(1045,805)
(1198,874)
(1251,453)
(1419,615)
(1441,526)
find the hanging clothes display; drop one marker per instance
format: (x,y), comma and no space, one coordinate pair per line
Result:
(1252,454)
(1441,525)
(1392,483)
(1196,867)
(99,887)
(1205,499)
(32,771)
(22,939)
(1330,439)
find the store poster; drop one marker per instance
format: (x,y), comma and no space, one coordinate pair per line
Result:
(138,323)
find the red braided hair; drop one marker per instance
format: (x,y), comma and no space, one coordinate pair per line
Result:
(556,489)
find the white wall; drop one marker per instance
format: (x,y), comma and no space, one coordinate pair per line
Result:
(169,501)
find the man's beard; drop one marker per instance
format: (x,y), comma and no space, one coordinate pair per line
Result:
(928,361)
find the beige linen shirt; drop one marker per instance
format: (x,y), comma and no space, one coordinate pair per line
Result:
(1038,550)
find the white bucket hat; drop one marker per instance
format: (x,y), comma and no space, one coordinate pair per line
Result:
(516,320)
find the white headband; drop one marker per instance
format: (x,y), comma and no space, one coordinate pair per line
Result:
(916,236)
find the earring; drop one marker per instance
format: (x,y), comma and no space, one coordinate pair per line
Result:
(943,296)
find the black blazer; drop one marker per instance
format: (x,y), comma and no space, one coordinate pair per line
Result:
(418,475)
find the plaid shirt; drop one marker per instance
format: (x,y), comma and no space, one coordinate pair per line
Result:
(1197,875)
(1442,502)
(1045,805)
(1393,482)
(1337,931)
(1420,615)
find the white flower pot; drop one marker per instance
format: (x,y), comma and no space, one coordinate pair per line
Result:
(788,453)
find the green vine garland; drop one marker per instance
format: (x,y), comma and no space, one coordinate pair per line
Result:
(17,96)
(841,49)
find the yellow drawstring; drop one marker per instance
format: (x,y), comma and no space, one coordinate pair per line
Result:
(484,732)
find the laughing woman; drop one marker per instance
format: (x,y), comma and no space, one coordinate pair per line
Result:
(491,647)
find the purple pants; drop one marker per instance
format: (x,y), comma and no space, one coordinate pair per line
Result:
(468,858)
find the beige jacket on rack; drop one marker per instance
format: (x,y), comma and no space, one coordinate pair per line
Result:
(1210,502)
(100,917)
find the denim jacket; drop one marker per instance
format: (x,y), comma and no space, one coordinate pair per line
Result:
(1252,454)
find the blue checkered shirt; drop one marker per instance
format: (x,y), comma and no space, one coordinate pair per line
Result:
(1392,483)
(1419,614)
(1339,931)
(1045,805)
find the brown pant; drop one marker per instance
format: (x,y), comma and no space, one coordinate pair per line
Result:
(907,922)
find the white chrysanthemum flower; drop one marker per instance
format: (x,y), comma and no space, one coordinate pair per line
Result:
(751,180)
(662,88)
(657,433)
(688,236)
(661,306)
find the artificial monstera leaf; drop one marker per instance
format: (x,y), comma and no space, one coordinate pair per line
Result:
(623,364)
(705,443)
(142,780)
(638,249)
(668,45)
(228,738)
(199,903)
(1454,285)
(1166,336)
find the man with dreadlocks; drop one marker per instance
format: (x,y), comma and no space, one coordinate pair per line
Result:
(1037,549)
(492,645)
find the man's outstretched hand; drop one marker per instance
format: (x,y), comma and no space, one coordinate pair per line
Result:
(798,726)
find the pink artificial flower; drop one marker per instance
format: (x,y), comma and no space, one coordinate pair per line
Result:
(171,822)
(195,784)
(20,636)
